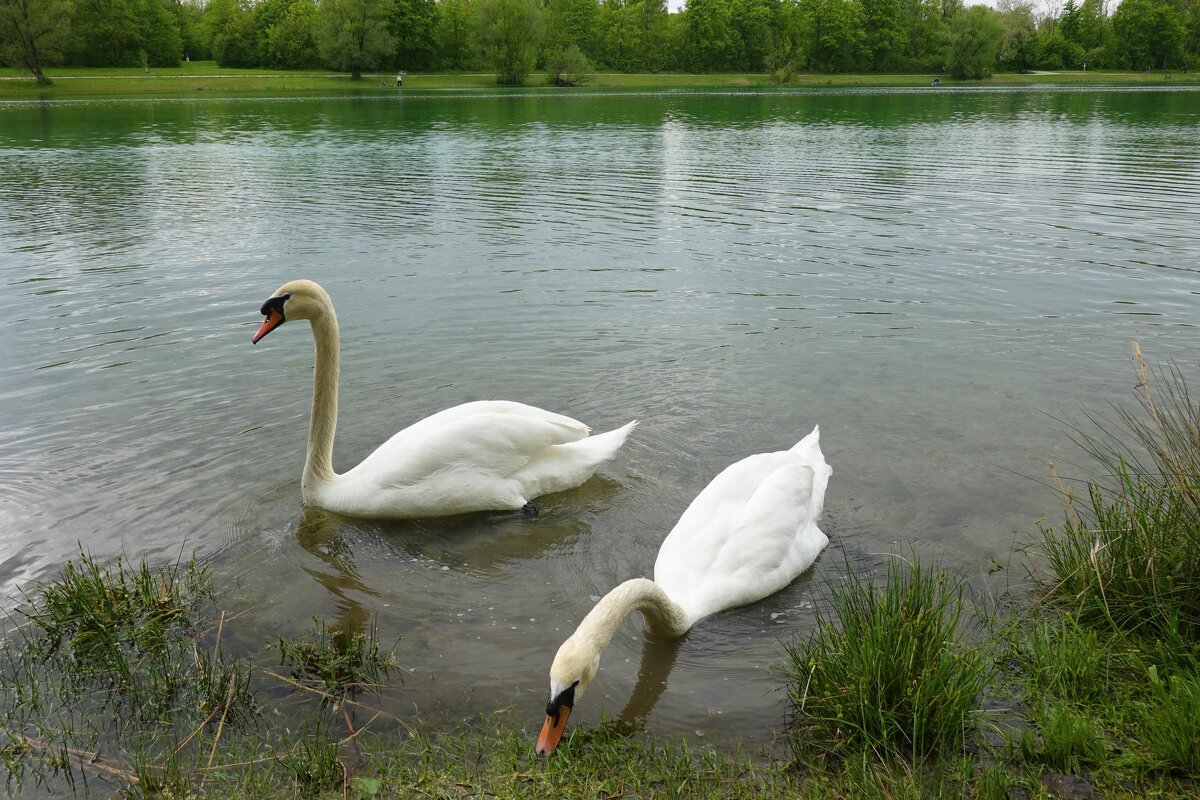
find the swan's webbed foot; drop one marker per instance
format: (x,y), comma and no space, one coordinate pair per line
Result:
(529,510)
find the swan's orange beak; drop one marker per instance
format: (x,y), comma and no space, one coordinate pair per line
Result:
(552,731)
(274,320)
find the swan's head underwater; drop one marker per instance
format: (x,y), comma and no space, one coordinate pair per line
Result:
(300,299)
(574,667)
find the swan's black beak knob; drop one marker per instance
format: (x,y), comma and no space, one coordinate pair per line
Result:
(273,311)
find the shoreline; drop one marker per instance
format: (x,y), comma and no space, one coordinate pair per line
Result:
(205,77)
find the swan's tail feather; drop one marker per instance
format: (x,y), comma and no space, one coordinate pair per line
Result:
(809,449)
(605,445)
(565,465)
(810,443)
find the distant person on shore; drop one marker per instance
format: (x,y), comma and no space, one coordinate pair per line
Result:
(399,78)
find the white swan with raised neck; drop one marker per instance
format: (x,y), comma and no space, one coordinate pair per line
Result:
(479,456)
(747,535)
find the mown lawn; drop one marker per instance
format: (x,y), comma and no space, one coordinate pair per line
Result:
(196,77)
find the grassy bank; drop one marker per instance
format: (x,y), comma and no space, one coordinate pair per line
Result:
(1083,684)
(198,77)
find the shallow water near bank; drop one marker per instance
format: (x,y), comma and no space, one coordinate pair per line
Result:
(933,277)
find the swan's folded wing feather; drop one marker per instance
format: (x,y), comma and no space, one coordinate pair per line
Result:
(691,551)
(487,444)
(741,544)
(456,414)
(761,532)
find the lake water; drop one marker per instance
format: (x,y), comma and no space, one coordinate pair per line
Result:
(936,277)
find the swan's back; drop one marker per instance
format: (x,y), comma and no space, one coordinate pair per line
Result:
(749,533)
(483,455)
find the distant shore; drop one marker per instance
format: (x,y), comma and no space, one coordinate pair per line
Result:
(206,77)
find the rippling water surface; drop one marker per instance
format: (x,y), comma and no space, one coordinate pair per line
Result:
(931,276)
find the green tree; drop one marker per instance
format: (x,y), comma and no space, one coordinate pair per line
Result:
(266,14)
(883,35)
(413,25)
(188,15)
(831,34)
(160,43)
(1148,33)
(1191,19)
(785,56)
(105,34)
(34,33)
(924,29)
(454,34)
(228,27)
(236,45)
(1085,26)
(632,35)
(1020,48)
(570,67)
(975,35)
(755,24)
(353,34)
(1057,52)
(651,22)
(950,8)
(571,22)
(126,33)
(290,43)
(672,55)
(615,45)
(1070,21)
(1093,25)
(710,41)
(509,32)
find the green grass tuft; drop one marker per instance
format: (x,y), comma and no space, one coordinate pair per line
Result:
(1130,557)
(1066,739)
(313,762)
(1066,660)
(1109,667)
(888,675)
(1171,720)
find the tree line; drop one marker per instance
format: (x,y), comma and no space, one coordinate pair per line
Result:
(570,39)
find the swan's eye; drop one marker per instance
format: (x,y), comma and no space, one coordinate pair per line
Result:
(565,698)
(274,303)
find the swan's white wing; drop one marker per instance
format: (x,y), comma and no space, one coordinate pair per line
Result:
(571,427)
(472,457)
(748,534)
(481,442)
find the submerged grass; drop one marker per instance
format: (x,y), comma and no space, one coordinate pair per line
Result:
(124,638)
(110,656)
(116,673)
(340,663)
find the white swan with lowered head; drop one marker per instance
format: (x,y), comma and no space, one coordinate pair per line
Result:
(481,456)
(747,535)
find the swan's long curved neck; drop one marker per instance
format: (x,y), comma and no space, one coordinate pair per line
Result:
(664,617)
(322,423)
